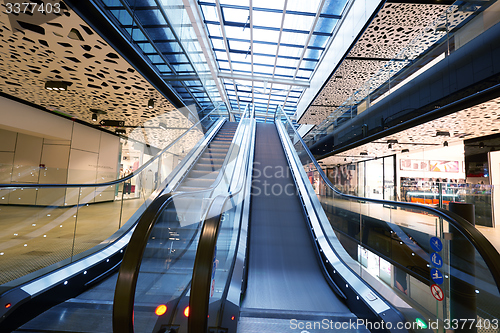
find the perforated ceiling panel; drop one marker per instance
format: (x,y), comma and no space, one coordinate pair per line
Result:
(396,25)
(64,48)
(477,121)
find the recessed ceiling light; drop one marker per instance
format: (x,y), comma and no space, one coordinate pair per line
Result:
(56,85)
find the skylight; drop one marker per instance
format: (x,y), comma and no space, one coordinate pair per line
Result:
(266,51)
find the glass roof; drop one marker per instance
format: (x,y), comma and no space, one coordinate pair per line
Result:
(162,30)
(265,51)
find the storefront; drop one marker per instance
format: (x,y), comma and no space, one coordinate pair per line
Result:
(376,178)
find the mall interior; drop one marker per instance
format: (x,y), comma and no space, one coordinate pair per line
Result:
(250,166)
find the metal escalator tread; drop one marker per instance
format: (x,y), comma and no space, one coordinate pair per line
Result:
(283,272)
(207,167)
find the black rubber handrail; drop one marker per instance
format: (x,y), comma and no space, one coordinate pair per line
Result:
(203,265)
(123,305)
(487,251)
(113,182)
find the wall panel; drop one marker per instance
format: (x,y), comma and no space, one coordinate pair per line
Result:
(27,158)
(7,140)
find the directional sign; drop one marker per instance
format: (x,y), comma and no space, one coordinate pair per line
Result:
(436,276)
(436,244)
(437,292)
(436,260)
(114,123)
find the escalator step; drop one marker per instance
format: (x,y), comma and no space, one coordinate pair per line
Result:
(197,182)
(207,167)
(183,188)
(216,150)
(204,160)
(213,155)
(205,174)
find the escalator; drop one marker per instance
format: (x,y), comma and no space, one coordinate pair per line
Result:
(285,281)
(71,284)
(208,166)
(256,248)
(445,274)
(91,311)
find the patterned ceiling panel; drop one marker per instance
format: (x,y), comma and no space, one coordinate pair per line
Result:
(66,49)
(477,121)
(397,26)
(339,88)
(394,27)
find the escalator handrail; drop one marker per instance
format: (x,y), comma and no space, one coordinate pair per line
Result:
(116,181)
(123,307)
(123,302)
(487,251)
(203,264)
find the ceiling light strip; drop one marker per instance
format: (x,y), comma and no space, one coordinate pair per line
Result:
(311,31)
(226,45)
(194,12)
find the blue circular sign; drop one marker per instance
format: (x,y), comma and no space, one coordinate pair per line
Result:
(436,260)
(436,244)
(436,276)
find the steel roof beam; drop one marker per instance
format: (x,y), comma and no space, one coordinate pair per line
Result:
(259,78)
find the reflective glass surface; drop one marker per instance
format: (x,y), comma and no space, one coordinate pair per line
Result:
(44,228)
(162,31)
(417,258)
(167,264)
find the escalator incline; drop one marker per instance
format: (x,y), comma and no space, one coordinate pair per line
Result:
(91,311)
(285,280)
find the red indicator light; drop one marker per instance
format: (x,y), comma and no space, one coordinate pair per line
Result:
(232,318)
(8,305)
(161,309)
(186,311)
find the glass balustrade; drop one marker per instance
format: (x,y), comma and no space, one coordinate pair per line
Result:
(166,266)
(440,269)
(45,226)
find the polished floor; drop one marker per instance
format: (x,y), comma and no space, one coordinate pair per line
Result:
(32,237)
